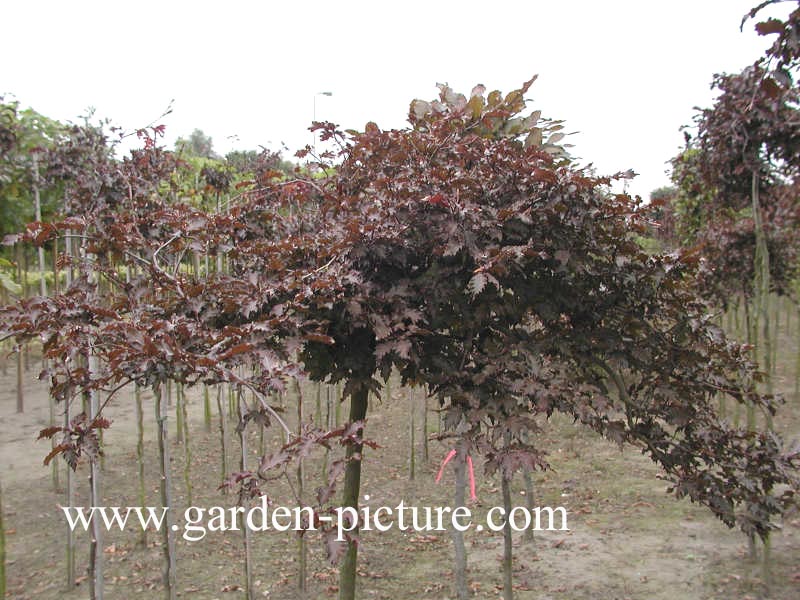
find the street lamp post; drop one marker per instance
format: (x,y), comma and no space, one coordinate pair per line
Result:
(315,114)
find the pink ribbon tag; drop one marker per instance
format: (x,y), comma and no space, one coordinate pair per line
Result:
(473,496)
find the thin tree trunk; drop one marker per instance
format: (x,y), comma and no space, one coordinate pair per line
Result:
(329,424)
(96,574)
(337,403)
(206,408)
(352,485)
(425,428)
(459,548)
(760,305)
(43,293)
(187,449)
(302,550)
(223,435)
(508,576)
(95,498)
(244,502)
(774,343)
(179,412)
(69,501)
(20,353)
(137,395)
(26,293)
(68,253)
(168,535)
(20,379)
(411,442)
(318,411)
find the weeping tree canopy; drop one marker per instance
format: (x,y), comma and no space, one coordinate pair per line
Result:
(465,250)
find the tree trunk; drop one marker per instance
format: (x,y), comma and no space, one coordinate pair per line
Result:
(352,485)
(411,442)
(460,549)
(168,535)
(178,414)
(20,380)
(775,325)
(760,308)
(508,550)
(425,428)
(187,450)
(302,550)
(137,395)
(318,411)
(206,408)
(95,498)
(328,424)
(337,404)
(43,293)
(223,435)
(69,501)
(244,502)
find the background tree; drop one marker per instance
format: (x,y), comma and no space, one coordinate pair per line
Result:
(197,144)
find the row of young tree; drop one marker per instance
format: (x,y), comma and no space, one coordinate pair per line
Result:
(467,252)
(736,189)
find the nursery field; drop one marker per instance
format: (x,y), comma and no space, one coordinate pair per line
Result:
(455,359)
(628,539)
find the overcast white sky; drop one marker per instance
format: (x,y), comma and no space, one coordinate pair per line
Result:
(624,75)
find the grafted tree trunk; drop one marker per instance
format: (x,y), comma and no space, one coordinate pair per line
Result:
(425,455)
(178,414)
(337,404)
(51,403)
(412,460)
(187,449)
(20,380)
(206,408)
(137,395)
(20,353)
(69,501)
(302,549)
(760,311)
(508,541)
(352,486)
(95,498)
(459,548)
(245,503)
(329,424)
(223,435)
(318,408)
(168,535)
